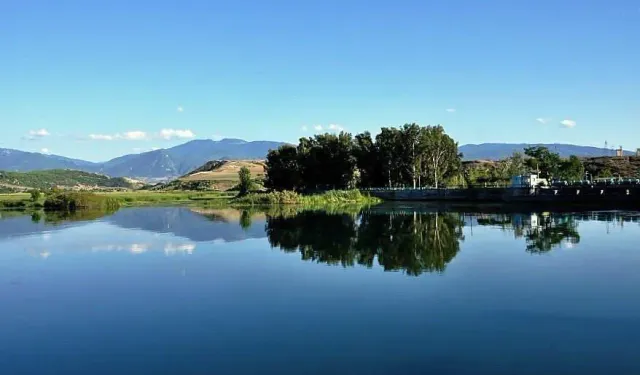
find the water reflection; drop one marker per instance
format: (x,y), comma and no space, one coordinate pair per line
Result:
(413,243)
(412,239)
(542,232)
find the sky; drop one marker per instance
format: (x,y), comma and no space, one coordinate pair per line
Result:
(98,79)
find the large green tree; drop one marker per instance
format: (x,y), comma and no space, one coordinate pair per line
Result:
(547,163)
(440,157)
(282,169)
(244,175)
(571,168)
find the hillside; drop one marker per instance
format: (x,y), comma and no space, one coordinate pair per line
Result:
(628,166)
(69,179)
(495,151)
(216,175)
(158,164)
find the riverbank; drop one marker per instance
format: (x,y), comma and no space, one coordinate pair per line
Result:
(22,201)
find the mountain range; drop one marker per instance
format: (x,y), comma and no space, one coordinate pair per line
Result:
(180,160)
(158,164)
(496,151)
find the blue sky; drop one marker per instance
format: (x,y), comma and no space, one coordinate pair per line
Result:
(97,79)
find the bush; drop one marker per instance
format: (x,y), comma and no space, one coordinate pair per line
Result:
(245,181)
(35,195)
(291,197)
(72,201)
(13,204)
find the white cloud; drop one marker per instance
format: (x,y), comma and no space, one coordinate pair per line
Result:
(318,128)
(172,249)
(134,135)
(44,150)
(138,135)
(568,123)
(543,120)
(102,137)
(38,133)
(450,110)
(180,109)
(304,128)
(335,127)
(176,133)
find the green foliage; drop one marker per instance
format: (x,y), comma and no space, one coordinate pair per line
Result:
(13,204)
(47,179)
(245,181)
(35,195)
(283,171)
(245,220)
(290,197)
(72,201)
(131,198)
(36,217)
(571,169)
(408,156)
(543,160)
(604,172)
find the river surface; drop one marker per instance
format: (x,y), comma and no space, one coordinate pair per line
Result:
(390,290)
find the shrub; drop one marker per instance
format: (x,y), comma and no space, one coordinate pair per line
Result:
(245,181)
(72,201)
(35,195)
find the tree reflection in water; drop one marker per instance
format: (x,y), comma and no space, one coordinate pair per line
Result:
(414,243)
(542,232)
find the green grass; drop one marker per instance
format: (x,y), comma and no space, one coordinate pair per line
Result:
(137,198)
(19,201)
(210,199)
(11,197)
(333,197)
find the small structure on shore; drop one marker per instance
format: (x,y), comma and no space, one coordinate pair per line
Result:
(527,181)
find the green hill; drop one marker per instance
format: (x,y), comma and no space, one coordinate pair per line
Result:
(61,178)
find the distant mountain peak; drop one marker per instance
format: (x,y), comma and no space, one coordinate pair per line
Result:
(232,141)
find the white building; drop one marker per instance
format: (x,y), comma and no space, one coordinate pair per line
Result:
(527,181)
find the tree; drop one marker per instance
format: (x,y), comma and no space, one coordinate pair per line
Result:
(35,195)
(515,165)
(327,161)
(282,169)
(387,142)
(571,168)
(440,156)
(244,176)
(367,161)
(547,163)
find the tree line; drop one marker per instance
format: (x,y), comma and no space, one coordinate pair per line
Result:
(536,159)
(408,156)
(411,156)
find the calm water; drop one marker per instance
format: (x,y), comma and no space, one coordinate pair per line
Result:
(182,291)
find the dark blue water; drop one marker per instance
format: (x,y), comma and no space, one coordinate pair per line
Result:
(173,291)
